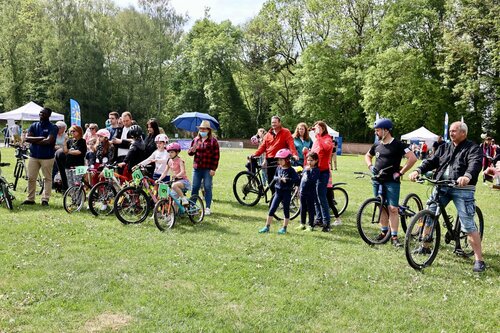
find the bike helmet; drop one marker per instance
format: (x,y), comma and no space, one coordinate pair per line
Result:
(103,132)
(134,132)
(255,140)
(283,153)
(161,138)
(174,146)
(383,123)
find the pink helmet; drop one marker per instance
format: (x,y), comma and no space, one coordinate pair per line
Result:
(255,140)
(161,138)
(103,132)
(283,153)
(174,146)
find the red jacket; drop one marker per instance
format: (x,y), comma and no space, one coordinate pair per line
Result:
(274,142)
(323,146)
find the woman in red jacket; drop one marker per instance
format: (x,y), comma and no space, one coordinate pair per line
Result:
(323,146)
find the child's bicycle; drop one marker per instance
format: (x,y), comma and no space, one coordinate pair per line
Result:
(102,195)
(169,208)
(372,210)
(134,202)
(75,195)
(424,234)
(5,195)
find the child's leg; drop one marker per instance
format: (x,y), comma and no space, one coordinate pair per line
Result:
(303,209)
(286,199)
(277,198)
(178,187)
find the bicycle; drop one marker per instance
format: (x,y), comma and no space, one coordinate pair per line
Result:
(5,195)
(21,153)
(169,208)
(372,210)
(424,234)
(134,202)
(75,195)
(248,189)
(102,194)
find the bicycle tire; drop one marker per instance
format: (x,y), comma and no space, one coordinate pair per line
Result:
(294,206)
(247,188)
(102,198)
(6,196)
(340,195)
(416,241)
(73,199)
(414,204)
(40,182)
(462,239)
(164,214)
(18,173)
(367,221)
(131,205)
(196,209)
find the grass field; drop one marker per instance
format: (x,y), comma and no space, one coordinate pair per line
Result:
(76,273)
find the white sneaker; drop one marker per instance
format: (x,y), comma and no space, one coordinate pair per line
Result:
(337,222)
(207,211)
(104,207)
(184,201)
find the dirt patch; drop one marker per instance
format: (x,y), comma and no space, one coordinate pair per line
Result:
(107,321)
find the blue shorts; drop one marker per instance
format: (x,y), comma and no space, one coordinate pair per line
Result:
(390,191)
(464,202)
(187,187)
(156,176)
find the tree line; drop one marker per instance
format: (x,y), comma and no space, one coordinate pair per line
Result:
(341,61)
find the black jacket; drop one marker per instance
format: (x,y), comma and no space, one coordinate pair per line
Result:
(464,160)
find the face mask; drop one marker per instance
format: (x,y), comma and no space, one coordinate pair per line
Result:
(203,134)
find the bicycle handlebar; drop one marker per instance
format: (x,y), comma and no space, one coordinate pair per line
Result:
(4,165)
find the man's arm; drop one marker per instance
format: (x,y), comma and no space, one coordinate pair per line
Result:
(368,160)
(411,160)
(474,165)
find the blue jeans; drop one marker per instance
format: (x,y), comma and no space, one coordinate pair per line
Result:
(322,208)
(198,175)
(281,196)
(464,202)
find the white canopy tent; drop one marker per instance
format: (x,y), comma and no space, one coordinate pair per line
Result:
(330,130)
(421,134)
(29,112)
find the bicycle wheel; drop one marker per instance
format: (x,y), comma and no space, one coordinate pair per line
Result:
(102,198)
(367,221)
(247,188)
(196,209)
(73,199)
(463,241)
(164,214)
(422,239)
(6,196)
(131,205)
(340,199)
(413,205)
(18,173)
(39,183)
(294,206)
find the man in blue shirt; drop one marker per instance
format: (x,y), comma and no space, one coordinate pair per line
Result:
(42,137)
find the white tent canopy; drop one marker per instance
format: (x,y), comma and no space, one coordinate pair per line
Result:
(29,112)
(421,134)
(330,130)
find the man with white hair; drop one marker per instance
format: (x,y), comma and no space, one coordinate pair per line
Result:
(458,160)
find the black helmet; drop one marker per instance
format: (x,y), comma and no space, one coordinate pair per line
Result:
(134,132)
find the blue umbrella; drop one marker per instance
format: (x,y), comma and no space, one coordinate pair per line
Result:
(189,120)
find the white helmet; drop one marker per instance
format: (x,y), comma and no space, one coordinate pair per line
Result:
(161,138)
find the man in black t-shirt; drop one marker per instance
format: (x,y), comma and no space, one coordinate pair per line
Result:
(388,153)
(436,144)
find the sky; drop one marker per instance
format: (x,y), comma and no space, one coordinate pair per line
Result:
(237,11)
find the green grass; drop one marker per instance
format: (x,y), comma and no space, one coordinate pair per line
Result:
(76,273)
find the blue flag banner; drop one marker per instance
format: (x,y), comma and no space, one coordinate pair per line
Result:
(76,116)
(377,117)
(445,136)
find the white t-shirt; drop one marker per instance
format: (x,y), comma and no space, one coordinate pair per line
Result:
(123,151)
(161,158)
